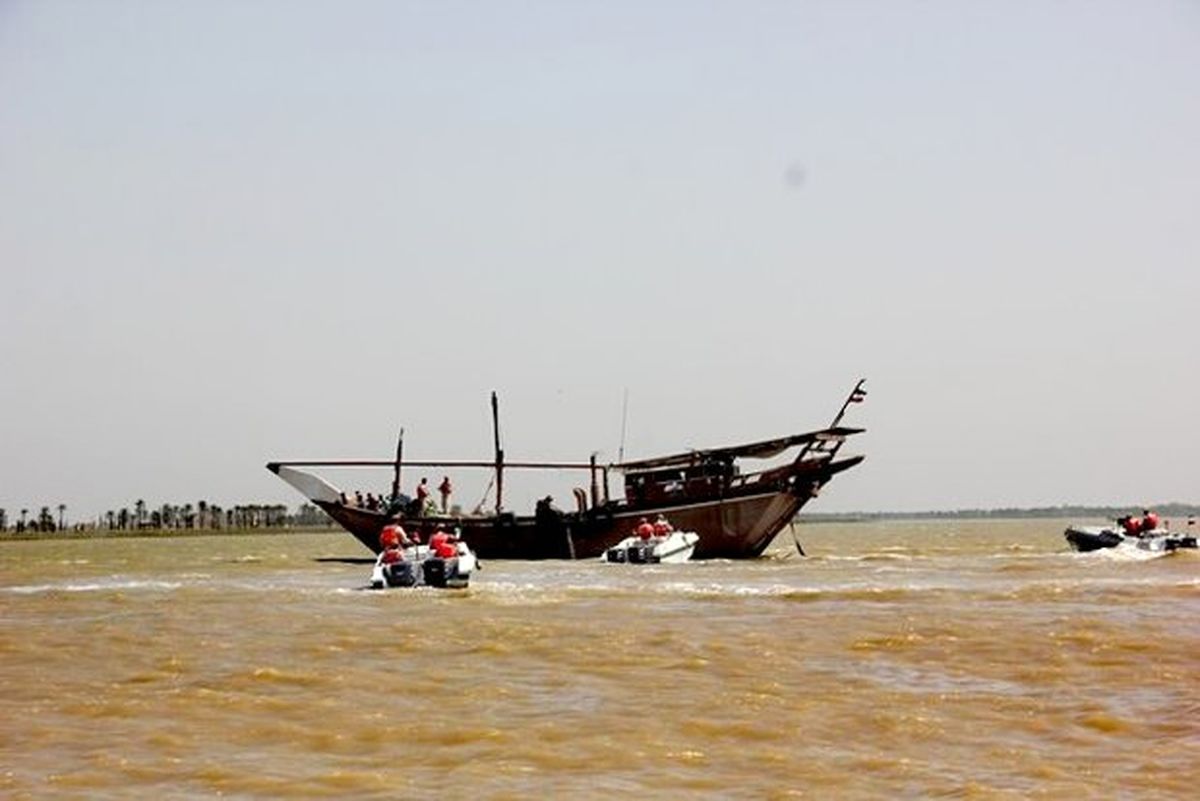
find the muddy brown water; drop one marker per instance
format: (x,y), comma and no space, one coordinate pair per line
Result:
(899,660)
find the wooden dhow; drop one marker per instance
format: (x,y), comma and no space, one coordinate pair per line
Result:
(737,514)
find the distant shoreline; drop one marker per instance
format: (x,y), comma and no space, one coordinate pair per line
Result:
(162,533)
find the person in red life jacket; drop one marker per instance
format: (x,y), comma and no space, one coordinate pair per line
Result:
(1132,526)
(444,489)
(661,527)
(1149,521)
(390,540)
(443,544)
(644,529)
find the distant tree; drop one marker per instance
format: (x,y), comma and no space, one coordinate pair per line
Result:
(309,515)
(139,509)
(62,519)
(123,518)
(24,514)
(110,517)
(45,520)
(3,520)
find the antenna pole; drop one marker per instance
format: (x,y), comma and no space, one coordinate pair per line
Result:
(624,418)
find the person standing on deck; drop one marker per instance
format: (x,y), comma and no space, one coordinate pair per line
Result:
(444,489)
(422,496)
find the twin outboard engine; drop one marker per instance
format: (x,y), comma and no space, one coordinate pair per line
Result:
(639,553)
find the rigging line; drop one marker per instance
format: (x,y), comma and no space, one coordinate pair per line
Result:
(487,491)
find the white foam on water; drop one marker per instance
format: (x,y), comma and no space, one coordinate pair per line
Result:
(1129,553)
(96,586)
(878,556)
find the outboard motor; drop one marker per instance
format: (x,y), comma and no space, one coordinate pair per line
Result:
(642,554)
(439,571)
(615,555)
(399,574)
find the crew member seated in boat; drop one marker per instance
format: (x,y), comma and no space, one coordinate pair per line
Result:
(1131,525)
(443,544)
(1149,521)
(391,539)
(661,527)
(645,529)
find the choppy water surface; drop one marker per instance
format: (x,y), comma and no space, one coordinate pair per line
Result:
(900,660)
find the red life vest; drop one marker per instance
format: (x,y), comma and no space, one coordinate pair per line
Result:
(442,546)
(389,537)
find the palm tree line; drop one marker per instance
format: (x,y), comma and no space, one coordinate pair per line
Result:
(203,515)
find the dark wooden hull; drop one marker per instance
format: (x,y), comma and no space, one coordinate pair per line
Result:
(732,523)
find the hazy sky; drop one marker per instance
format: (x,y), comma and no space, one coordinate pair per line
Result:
(239,231)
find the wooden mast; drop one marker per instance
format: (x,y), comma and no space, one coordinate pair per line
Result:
(399,461)
(499,453)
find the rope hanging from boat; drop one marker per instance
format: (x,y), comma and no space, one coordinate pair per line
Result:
(487,491)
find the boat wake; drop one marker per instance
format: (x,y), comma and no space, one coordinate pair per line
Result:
(1125,553)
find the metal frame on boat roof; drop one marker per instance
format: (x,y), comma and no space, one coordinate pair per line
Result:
(765,449)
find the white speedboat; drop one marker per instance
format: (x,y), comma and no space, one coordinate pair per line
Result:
(676,546)
(1095,538)
(420,565)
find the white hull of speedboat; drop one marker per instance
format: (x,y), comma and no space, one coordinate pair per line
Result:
(422,568)
(1095,538)
(672,549)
